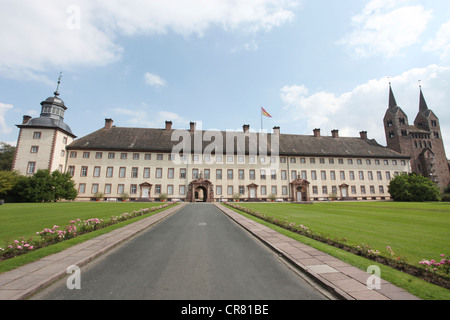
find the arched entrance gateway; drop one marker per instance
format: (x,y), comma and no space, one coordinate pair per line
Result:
(300,190)
(200,190)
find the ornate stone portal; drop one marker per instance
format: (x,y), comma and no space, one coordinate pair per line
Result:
(204,190)
(300,190)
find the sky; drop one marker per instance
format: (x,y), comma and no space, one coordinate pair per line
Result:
(310,63)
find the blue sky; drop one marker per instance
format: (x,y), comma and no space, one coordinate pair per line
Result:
(311,64)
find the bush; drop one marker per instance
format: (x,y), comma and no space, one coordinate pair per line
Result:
(446,197)
(413,187)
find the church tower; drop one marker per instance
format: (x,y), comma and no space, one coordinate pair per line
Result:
(42,141)
(421,141)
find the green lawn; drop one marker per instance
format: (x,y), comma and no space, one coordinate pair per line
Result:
(25,219)
(414,231)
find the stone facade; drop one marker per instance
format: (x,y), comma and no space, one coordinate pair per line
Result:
(423,141)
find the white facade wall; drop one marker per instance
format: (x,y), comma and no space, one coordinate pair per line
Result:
(99,171)
(41,148)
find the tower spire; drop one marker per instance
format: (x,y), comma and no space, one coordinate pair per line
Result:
(392,101)
(422,103)
(56,93)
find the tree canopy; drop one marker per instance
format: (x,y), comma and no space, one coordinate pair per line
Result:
(413,187)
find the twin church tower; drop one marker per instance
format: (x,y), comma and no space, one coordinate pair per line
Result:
(422,141)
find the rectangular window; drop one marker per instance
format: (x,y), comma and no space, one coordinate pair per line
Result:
(109,172)
(123,156)
(284,190)
(170,189)
(241,174)
(182,173)
(95,188)
(263,190)
(34,149)
(84,171)
(182,190)
(98,155)
(274,190)
(73,154)
(219,190)
(207,174)
(241,190)
(219,174)
(230,174)
(194,173)
(86,155)
(170,173)
(107,189)
(263,174)
(120,188)
(230,190)
(111,155)
(252,175)
(159,157)
(37,135)
(273,174)
(122,172)
(71,171)
(304,175)
(82,188)
(135,156)
(323,175)
(134,172)
(313,175)
(158,189)
(31,167)
(283,175)
(96,172)
(146,173)
(158,173)
(133,189)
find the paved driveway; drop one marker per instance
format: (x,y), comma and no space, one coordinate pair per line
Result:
(197,253)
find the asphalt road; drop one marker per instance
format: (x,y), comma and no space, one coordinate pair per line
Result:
(196,254)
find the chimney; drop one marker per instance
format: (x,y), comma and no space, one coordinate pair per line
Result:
(26,119)
(276,130)
(335,133)
(363,135)
(316,133)
(168,125)
(192,129)
(108,123)
(246,127)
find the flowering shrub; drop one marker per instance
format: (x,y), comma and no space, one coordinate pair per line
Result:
(437,266)
(76,227)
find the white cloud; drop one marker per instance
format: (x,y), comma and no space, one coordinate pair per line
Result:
(385,28)
(81,33)
(4,128)
(363,108)
(441,43)
(154,80)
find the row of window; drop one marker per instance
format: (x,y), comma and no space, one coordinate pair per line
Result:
(229,159)
(226,190)
(241,174)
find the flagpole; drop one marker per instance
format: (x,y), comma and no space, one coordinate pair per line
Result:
(261,119)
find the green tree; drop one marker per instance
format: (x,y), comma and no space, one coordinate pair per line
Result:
(8,180)
(44,186)
(6,156)
(413,187)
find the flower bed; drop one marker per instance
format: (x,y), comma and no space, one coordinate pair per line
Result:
(77,227)
(437,273)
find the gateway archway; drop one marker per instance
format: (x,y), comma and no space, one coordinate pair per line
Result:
(200,190)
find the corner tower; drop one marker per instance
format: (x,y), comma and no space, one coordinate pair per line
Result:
(42,141)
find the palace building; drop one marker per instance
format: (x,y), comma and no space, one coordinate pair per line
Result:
(197,165)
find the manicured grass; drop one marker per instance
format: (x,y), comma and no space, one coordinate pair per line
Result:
(25,219)
(415,286)
(414,231)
